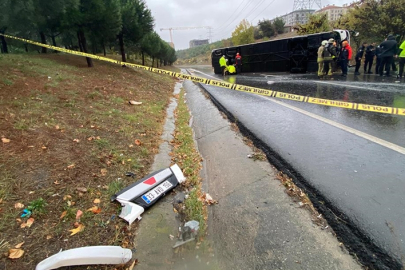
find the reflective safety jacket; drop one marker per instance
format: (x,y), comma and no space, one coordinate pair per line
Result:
(231,69)
(238,60)
(401,53)
(350,52)
(222,62)
(320,53)
(327,56)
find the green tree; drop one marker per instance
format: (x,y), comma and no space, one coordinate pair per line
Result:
(4,23)
(258,34)
(278,25)
(106,30)
(137,21)
(243,33)
(267,28)
(375,19)
(151,45)
(316,23)
(48,19)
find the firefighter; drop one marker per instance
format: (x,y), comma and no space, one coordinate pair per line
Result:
(222,63)
(238,62)
(401,56)
(388,50)
(344,57)
(359,56)
(330,56)
(320,58)
(369,58)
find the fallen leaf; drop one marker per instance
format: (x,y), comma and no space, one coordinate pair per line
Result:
(137,142)
(66,197)
(5,140)
(71,166)
(48,237)
(79,214)
(96,201)
(131,267)
(208,199)
(76,140)
(15,253)
(19,245)
(70,203)
(63,214)
(18,205)
(80,228)
(27,224)
(30,221)
(95,209)
(82,189)
(56,182)
(103,172)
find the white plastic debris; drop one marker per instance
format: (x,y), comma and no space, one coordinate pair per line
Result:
(133,102)
(87,256)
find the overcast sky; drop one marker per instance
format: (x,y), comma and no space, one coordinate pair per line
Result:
(222,15)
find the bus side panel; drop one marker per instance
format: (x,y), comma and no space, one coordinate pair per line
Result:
(298,48)
(271,56)
(215,55)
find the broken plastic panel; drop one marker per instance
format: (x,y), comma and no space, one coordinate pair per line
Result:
(87,256)
(147,191)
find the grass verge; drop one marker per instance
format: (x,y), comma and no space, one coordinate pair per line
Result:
(187,157)
(68,135)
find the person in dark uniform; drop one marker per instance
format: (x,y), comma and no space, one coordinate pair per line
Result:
(378,59)
(344,58)
(238,62)
(369,58)
(359,56)
(388,50)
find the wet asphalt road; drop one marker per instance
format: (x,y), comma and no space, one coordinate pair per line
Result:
(359,175)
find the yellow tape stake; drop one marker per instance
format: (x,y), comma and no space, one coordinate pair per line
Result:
(237,87)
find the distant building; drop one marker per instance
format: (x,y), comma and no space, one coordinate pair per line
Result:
(198,42)
(334,12)
(296,17)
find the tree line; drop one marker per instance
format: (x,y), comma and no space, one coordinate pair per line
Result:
(86,25)
(373,19)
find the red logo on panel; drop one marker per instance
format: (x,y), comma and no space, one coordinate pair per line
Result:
(150,181)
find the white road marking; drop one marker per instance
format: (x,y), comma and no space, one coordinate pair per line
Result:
(356,132)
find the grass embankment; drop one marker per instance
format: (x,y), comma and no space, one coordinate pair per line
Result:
(187,157)
(68,137)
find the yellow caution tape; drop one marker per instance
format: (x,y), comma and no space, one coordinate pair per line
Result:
(238,87)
